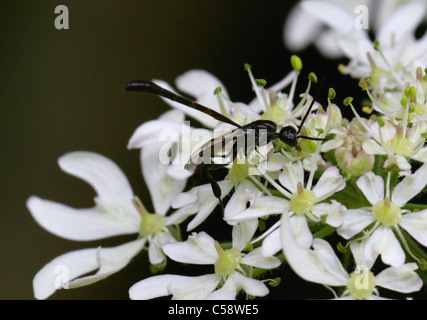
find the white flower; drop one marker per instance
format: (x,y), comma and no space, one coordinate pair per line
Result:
(397,142)
(307,21)
(305,203)
(248,203)
(303,26)
(387,214)
(319,264)
(113,214)
(201,201)
(201,249)
(399,51)
(156,139)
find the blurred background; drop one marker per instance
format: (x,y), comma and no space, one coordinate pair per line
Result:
(61,91)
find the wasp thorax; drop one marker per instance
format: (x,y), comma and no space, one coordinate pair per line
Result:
(289,136)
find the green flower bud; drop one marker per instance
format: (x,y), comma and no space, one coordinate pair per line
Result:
(332,94)
(296,63)
(347,101)
(217,91)
(261,82)
(312,77)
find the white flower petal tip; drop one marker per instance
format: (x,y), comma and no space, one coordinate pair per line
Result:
(384,243)
(331,14)
(180,287)
(372,187)
(78,224)
(402,279)
(410,186)
(162,187)
(319,265)
(237,282)
(404,20)
(415,223)
(113,213)
(197,249)
(101,173)
(64,271)
(330,182)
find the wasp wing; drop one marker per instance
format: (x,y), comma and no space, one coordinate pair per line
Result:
(220,150)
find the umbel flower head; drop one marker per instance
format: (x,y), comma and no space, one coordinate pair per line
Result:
(113,214)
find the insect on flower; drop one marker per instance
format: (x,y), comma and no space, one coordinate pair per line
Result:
(245,137)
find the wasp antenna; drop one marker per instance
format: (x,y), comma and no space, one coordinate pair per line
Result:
(316,97)
(151,87)
(148,87)
(312,138)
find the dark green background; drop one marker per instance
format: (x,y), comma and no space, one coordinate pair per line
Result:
(61,91)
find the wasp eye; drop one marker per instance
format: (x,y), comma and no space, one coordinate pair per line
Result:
(289,136)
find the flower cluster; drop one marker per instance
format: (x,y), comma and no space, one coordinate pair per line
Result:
(317,176)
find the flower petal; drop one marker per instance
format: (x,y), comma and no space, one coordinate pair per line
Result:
(102,174)
(243,232)
(237,282)
(416,225)
(201,85)
(301,231)
(331,14)
(181,287)
(263,206)
(300,29)
(330,182)
(155,131)
(271,244)
(354,221)
(328,43)
(163,188)
(372,147)
(156,254)
(372,187)
(333,212)
(208,202)
(201,117)
(358,250)
(114,213)
(402,279)
(319,265)
(57,273)
(410,186)
(111,260)
(181,215)
(422,154)
(256,259)
(245,193)
(404,19)
(292,174)
(197,249)
(60,271)
(383,242)
(78,224)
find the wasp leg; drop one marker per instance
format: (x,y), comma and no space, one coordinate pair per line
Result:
(214,184)
(196,177)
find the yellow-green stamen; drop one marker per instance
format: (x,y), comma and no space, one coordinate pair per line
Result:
(303,201)
(150,222)
(228,260)
(387,213)
(361,283)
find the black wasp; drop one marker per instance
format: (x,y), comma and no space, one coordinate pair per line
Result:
(264,131)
